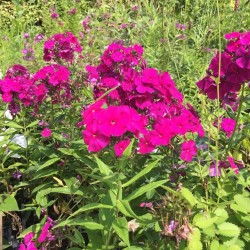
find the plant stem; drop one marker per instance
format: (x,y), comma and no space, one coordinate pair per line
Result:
(218,107)
(237,120)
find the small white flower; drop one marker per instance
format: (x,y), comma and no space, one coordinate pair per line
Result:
(133,225)
(7,114)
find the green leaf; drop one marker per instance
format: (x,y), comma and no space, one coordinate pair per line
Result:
(133,248)
(41,195)
(142,190)
(157,227)
(42,186)
(34,228)
(122,161)
(124,207)
(195,240)
(242,204)
(234,247)
(210,231)
(90,207)
(188,196)
(204,220)
(104,169)
(170,190)
(228,229)
(8,203)
(127,152)
(61,190)
(78,155)
(32,124)
(79,238)
(221,214)
(12,125)
(233,241)
(88,224)
(141,174)
(120,226)
(48,163)
(66,151)
(41,198)
(215,245)
(45,173)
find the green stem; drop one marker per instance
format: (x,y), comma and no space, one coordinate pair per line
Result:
(52,113)
(237,120)
(218,107)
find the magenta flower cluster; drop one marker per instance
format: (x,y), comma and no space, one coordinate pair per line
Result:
(228,126)
(53,80)
(20,86)
(61,47)
(45,236)
(50,82)
(230,163)
(234,70)
(133,100)
(17,84)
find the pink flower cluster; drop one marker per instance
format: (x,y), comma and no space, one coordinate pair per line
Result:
(28,244)
(233,72)
(134,100)
(45,235)
(228,126)
(46,133)
(61,47)
(17,84)
(230,163)
(50,81)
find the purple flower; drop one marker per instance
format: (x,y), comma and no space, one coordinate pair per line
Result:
(17,174)
(135,8)
(171,227)
(180,26)
(213,170)
(38,38)
(147,205)
(46,133)
(243,58)
(26,35)
(72,11)
(79,178)
(124,26)
(28,54)
(182,37)
(54,15)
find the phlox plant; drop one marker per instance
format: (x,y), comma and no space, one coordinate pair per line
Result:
(143,102)
(112,156)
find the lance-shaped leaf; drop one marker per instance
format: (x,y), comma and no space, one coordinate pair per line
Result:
(141,173)
(142,190)
(90,207)
(120,226)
